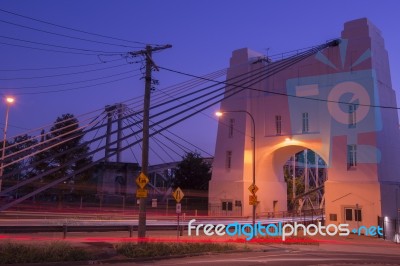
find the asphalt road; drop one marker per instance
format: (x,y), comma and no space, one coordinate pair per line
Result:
(279,257)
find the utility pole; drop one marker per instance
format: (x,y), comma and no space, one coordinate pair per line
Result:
(146,115)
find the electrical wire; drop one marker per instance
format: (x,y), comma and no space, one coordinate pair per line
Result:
(68,83)
(50,141)
(72,29)
(200,96)
(59,46)
(80,134)
(66,74)
(150,148)
(229,93)
(183,103)
(58,67)
(161,143)
(235,85)
(55,51)
(76,88)
(283,94)
(63,35)
(177,144)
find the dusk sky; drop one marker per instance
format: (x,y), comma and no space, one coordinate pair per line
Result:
(203,35)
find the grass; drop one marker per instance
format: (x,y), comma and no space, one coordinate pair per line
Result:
(11,253)
(133,250)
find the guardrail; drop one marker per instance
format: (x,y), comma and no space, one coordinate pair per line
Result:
(70,226)
(65,229)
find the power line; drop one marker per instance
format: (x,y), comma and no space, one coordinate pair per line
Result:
(284,65)
(64,74)
(281,93)
(207,101)
(210,101)
(96,139)
(58,67)
(72,29)
(49,50)
(24,128)
(175,89)
(159,143)
(68,83)
(49,142)
(59,46)
(164,103)
(64,35)
(76,88)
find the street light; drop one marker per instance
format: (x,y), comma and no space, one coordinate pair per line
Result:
(219,114)
(9,102)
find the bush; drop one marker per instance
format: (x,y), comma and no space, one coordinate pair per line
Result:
(29,253)
(133,250)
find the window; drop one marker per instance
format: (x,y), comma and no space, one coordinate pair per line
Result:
(231,126)
(348,213)
(305,123)
(352,116)
(357,215)
(227,205)
(351,156)
(352,214)
(278,124)
(228,162)
(333,217)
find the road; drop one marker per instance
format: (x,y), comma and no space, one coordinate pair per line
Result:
(279,257)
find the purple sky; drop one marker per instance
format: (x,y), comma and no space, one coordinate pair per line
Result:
(203,35)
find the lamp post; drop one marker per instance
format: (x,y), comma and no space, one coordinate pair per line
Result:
(253,136)
(9,102)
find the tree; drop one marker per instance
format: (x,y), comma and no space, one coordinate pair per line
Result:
(193,172)
(16,150)
(65,149)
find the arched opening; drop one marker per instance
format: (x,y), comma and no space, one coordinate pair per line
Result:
(305,173)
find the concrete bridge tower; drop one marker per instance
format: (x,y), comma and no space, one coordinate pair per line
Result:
(333,110)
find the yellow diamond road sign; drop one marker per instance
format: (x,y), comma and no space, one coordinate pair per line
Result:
(141,193)
(253,188)
(178,194)
(142,180)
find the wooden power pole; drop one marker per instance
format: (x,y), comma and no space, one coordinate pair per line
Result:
(146,115)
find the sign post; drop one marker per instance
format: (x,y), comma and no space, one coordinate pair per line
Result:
(253,200)
(142,180)
(178,196)
(253,197)
(141,195)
